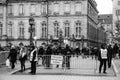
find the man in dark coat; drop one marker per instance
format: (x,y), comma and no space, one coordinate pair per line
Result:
(48,56)
(68,55)
(110,54)
(13,56)
(115,50)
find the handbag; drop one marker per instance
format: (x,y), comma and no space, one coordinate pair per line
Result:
(8,63)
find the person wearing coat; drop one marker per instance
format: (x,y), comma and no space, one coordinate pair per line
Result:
(22,58)
(67,56)
(12,56)
(110,54)
(103,58)
(48,56)
(33,60)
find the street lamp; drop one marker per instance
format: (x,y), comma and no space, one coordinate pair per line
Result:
(82,39)
(60,37)
(51,38)
(31,30)
(73,39)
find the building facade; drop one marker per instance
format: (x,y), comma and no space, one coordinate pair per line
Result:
(105,21)
(76,18)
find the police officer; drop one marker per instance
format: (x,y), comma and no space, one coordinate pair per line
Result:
(33,60)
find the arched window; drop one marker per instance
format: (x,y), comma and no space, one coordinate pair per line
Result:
(44,29)
(1,26)
(10,26)
(67,28)
(21,29)
(78,28)
(56,29)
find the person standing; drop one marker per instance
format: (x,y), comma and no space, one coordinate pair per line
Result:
(103,58)
(67,56)
(48,56)
(110,54)
(22,58)
(12,56)
(33,60)
(115,50)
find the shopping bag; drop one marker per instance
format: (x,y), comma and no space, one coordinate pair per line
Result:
(8,63)
(40,61)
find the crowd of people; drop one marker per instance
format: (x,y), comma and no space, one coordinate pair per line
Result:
(32,53)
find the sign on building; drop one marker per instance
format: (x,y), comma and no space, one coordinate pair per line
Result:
(56,59)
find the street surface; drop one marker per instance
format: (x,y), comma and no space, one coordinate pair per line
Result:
(84,71)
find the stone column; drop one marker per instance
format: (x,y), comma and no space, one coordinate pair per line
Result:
(4,19)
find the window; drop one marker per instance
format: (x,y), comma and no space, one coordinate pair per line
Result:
(10,25)
(78,7)
(56,8)
(32,9)
(118,2)
(21,30)
(67,8)
(1,30)
(118,12)
(44,8)
(67,29)
(44,30)
(10,9)
(21,9)
(78,29)
(56,29)
(1,10)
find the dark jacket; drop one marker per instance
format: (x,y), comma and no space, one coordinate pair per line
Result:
(110,51)
(49,51)
(13,55)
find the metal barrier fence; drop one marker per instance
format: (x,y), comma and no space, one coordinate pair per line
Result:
(3,56)
(68,62)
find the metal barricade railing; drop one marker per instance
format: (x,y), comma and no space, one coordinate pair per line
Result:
(67,62)
(3,56)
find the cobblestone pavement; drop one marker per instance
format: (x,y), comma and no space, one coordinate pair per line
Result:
(5,74)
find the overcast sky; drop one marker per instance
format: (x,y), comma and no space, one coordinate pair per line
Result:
(104,6)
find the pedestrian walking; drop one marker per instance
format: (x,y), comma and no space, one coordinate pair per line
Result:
(77,51)
(48,56)
(110,54)
(12,56)
(103,58)
(115,50)
(23,58)
(33,60)
(67,56)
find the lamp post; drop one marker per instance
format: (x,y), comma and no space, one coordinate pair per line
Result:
(51,39)
(82,39)
(73,39)
(60,37)
(31,30)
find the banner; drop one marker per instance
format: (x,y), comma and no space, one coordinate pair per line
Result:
(56,59)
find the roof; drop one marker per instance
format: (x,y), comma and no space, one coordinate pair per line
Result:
(105,18)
